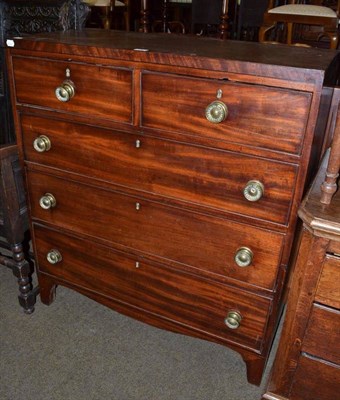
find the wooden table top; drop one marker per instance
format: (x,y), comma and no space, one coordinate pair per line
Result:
(189,51)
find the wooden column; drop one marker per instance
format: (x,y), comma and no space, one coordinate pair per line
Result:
(224,20)
(329,186)
(144,17)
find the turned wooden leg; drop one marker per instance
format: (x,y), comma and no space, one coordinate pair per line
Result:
(165,26)
(47,289)
(329,186)
(107,18)
(255,367)
(144,20)
(223,27)
(23,271)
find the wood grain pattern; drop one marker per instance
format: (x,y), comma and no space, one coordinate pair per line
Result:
(301,295)
(205,243)
(316,378)
(100,92)
(307,65)
(328,291)
(174,202)
(185,172)
(258,116)
(321,337)
(155,288)
(307,363)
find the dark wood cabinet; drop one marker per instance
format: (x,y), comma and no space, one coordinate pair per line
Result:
(307,363)
(164,181)
(308,359)
(17,18)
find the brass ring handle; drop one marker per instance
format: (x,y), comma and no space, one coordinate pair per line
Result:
(47,201)
(41,144)
(54,257)
(253,191)
(244,257)
(233,320)
(65,91)
(216,112)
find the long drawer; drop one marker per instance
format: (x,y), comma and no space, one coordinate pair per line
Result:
(315,380)
(322,334)
(207,243)
(328,290)
(259,116)
(104,92)
(191,173)
(201,304)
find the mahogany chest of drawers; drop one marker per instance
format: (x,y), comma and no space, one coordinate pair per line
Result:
(164,174)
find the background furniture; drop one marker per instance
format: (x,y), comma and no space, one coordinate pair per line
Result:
(203,13)
(14,225)
(307,363)
(330,186)
(149,202)
(307,14)
(248,18)
(165,24)
(206,15)
(17,18)
(109,14)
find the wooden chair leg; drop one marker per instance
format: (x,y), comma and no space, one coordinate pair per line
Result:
(22,270)
(223,27)
(144,20)
(329,186)
(289,33)
(107,18)
(263,32)
(333,38)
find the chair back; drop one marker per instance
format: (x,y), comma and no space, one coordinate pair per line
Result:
(318,18)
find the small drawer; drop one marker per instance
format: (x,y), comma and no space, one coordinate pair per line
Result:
(322,334)
(203,176)
(328,290)
(189,301)
(205,243)
(315,380)
(180,104)
(98,91)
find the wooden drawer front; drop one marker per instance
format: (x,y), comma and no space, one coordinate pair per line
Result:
(100,91)
(178,104)
(195,174)
(315,380)
(322,334)
(196,240)
(178,296)
(334,247)
(328,291)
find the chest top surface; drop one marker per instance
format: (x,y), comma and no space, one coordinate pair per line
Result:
(278,61)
